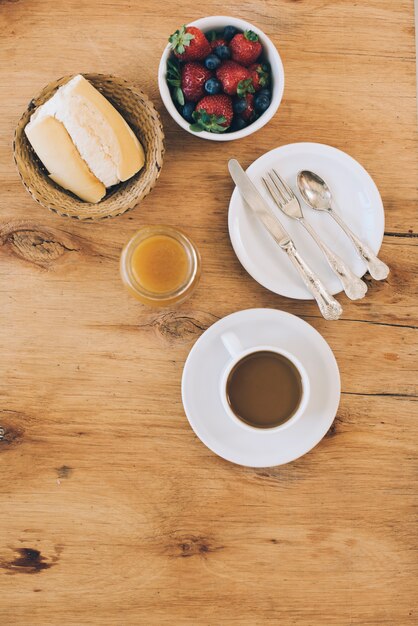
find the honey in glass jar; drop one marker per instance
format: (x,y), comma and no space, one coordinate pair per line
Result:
(160,265)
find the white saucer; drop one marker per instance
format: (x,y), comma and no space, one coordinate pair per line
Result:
(201,388)
(358,201)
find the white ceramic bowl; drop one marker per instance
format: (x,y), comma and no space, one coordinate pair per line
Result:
(270,54)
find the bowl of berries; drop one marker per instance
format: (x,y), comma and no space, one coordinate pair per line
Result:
(221,78)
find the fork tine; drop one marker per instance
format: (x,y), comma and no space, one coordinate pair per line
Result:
(284,184)
(273,192)
(280,189)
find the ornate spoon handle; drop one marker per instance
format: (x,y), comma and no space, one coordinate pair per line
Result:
(378,270)
(330,308)
(353,286)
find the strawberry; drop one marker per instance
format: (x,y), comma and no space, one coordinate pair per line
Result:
(193,78)
(217,42)
(213,113)
(245,48)
(260,75)
(248,113)
(189,44)
(233,76)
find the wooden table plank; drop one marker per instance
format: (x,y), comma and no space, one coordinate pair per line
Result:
(111,510)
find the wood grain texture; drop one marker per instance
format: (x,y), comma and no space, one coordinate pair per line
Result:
(111,511)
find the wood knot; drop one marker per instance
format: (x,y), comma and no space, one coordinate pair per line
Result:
(28,561)
(39,246)
(192,545)
(64,471)
(11,434)
(174,327)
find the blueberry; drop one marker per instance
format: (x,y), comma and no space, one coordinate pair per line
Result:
(222,52)
(265,92)
(237,124)
(187,112)
(229,32)
(239,105)
(261,102)
(212,62)
(213,86)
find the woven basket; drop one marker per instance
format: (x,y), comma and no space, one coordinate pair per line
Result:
(144,120)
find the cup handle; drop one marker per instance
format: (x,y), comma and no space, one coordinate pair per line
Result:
(232,344)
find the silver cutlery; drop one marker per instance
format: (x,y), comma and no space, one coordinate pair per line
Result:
(330,308)
(287,202)
(317,195)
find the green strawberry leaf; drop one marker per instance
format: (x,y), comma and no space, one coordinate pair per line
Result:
(217,128)
(173,71)
(180,39)
(244,87)
(210,123)
(196,128)
(250,35)
(263,80)
(205,117)
(176,36)
(211,36)
(264,75)
(173,65)
(179,96)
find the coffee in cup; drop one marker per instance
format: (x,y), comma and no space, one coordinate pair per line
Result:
(263,387)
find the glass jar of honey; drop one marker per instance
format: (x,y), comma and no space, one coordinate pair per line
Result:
(160,265)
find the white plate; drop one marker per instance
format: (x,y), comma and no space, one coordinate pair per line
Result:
(358,201)
(201,388)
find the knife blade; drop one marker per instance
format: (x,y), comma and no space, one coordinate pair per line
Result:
(330,308)
(256,202)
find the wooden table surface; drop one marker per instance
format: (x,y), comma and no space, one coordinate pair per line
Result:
(112,511)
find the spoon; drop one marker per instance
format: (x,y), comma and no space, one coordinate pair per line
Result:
(317,195)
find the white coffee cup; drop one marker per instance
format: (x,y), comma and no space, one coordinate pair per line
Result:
(237,352)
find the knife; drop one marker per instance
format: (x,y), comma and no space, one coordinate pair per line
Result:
(330,308)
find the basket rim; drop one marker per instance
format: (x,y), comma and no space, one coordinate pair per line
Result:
(46,92)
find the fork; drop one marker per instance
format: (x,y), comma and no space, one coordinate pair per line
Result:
(287,202)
